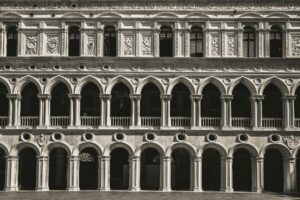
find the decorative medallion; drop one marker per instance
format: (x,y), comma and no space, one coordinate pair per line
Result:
(165,81)
(53,45)
(31,45)
(257,81)
(135,80)
(91,45)
(289,81)
(226,81)
(86,157)
(291,141)
(104,80)
(146,45)
(41,140)
(196,81)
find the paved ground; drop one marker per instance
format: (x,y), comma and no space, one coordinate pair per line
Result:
(91,195)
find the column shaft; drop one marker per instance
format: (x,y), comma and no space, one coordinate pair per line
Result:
(198,174)
(167,173)
(135,173)
(42,178)
(11,173)
(73,173)
(105,173)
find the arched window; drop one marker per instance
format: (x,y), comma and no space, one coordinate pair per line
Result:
(12,41)
(110,41)
(249,40)
(196,42)
(166,42)
(275,42)
(74,41)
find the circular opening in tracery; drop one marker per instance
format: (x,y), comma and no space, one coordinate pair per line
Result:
(88,136)
(57,67)
(150,136)
(13,80)
(31,14)
(34,5)
(44,80)
(81,67)
(91,14)
(106,67)
(275,138)
(181,137)
(26,136)
(52,15)
(119,136)
(32,67)
(243,137)
(57,136)
(73,5)
(7,67)
(211,137)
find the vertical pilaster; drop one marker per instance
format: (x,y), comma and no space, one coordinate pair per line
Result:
(198,174)
(226,110)
(156,42)
(267,40)
(166,173)
(42,177)
(135,173)
(240,39)
(187,34)
(135,110)
(73,173)
(260,40)
(196,110)
(100,40)
(105,109)
(14,115)
(12,163)
(226,174)
(119,39)
(256,110)
(105,173)
(165,109)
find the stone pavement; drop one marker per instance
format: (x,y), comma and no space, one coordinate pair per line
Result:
(91,195)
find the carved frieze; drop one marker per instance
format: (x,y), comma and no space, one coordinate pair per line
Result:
(90,46)
(128,45)
(215,45)
(231,45)
(53,44)
(31,45)
(146,45)
(296,46)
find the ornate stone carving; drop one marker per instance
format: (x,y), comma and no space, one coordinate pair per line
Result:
(91,45)
(231,46)
(296,46)
(41,140)
(53,44)
(291,141)
(128,45)
(215,45)
(86,157)
(31,45)
(146,45)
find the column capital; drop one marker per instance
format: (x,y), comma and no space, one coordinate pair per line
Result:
(13,96)
(289,97)
(105,158)
(227,97)
(166,97)
(156,30)
(290,159)
(135,157)
(259,159)
(42,157)
(105,96)
(74,96)
(12,157)
(44,96)
(197,159)
(135,96)
(196,96)
(257,97)
(227,158)
(167,158)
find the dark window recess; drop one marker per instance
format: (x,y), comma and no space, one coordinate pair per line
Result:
(275,42)
(196,42)
(12,41)
(166,42)
(74,41)
(110,41)
(249,42)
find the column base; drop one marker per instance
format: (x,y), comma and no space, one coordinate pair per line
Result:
(11,189)
(198,190)
(257,190)
(166,189)
(136,189)
(227,190)
(73,189)
(42,189)
(105,189)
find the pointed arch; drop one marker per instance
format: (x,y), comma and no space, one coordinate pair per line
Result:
(214,81)
(91,144)
(115,81)
(251,15)
(295,87)
(110,147)
(109,15)
(284,150)
(11,15)
(7,85)
(84,81)
(213,145)
(185,145)
(150,79)
(197,15)
(58,144)
(166,15)
(153,145)
(252,149)
(15,149)
(5,148)
(73,15)
(278,83)
(246,82)
(184,81)
(26,80)
(54,81)
(278,15)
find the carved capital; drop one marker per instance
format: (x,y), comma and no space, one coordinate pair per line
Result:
(135,97)
(166,97)
(257,97)
(105,96)
(44,96)
(196,97)
(13,96)
(227,97)
(74,96)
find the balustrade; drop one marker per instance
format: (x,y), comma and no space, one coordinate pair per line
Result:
(210,121)
(3,121)
(150,121)
(297,122)
(181,121)
(60,120)
(30,120)
(272,122)
(90,120)
(241,121)
(120,121)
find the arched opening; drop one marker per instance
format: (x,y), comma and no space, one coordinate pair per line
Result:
(181,169)
(298,171)
(249,42)
(74,41)
(119,169)
(88,172)
(120,105)
(150,105)
(30,105)
(181,106)
(275,42)
(27,169)
(4,105)
(272,106)
(211,170)
(60,105)
(2,169)
(90,105)
(242,171)
(241,106)
(12,41)
(58,165)
(210,106)
(196,42)
(150,169)
(273,171)
(166,42)
(297,107)
(110,41)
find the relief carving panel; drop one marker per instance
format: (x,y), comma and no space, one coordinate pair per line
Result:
(53,45)
(215,45)
(296,46)
(231,44)
(128,45)
(90,47)
(146,45)
(31,45)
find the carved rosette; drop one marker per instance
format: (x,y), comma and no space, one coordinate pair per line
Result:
(53,45)
(146,45)
(90,45)
(215,45)
(231,45)
(31,45)
(128,45)
(296,46)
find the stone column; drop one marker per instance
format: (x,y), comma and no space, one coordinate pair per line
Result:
(42,178)
(166,173)
(105,173)
(187,34)
(44,109)
(198,174)
(240,40)
(10,111)
(75,109)
(135,173)
(226,174)
(156,42)
(196,110)
(135,110)
(267,40)
(14,114)
(73,173)
(258,174)
(12,166)
(290,177)
(256,110)
(105,109)
(289,111)
(165,110)
(100,40)
(226,110)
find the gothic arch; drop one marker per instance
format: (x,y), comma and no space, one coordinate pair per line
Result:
(166,15)
(21,145)
(278,15)
(154,145)
(184,81)
(187,146)
(286,153)
(248,146)
(197,15)
(246,82)
(85,80)
(54,81)
(277,82)
(295,87)
(214,81)
(58,144)
(5,148)
(24,81)
(250,15)
(78,148)
(295,151)
(213,145)
(8,86)
(73,15)
(11,15)
(115,145)
(150,79)
(115,81)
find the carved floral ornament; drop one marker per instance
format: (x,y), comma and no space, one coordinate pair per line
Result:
(291,141)
(31,45)
(53,45)
(128,45)
(296,46)
(146,45)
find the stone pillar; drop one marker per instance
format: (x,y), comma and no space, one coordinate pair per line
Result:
(187,34)
(256,110)
(289,111)
(290,177)
(105,173)
(135,173)
(105,109)
(12,166)
(166,173)
(73,173)
(42,177)
(165,110)
(267,40)
(100,40)
(44,109)
(226,174)
(258,174)
(135,110)
(156,42)
(198,174)
(10,111)
(196,110)
(240,40)
(75,109)
(226,110)
(14,115)
(260,40)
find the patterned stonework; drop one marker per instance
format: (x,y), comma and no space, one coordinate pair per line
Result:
(146,45)
(231,46)
(31,45)
(90,45)
(215,45)
(53,45)
(128,45)
(296,46)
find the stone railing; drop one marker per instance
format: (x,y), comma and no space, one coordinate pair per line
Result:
(30,120)
(120,121)
(150,121)
(90,120)
(241,121)
(272,122)
(60,120)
